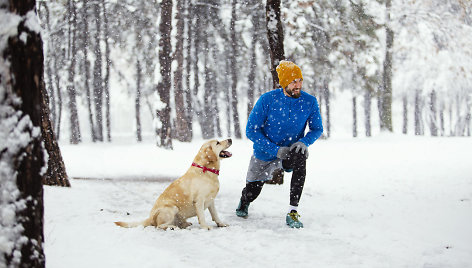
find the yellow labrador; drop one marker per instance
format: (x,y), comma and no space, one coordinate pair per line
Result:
(191,194)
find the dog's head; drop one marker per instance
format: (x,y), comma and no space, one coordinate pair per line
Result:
(213,150)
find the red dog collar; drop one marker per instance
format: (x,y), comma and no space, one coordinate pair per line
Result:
(205,169)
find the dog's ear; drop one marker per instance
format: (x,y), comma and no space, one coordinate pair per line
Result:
(210,155)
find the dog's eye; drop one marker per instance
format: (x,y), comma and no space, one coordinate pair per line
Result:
(217,143)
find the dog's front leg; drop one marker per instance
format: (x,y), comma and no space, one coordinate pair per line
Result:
(199,208)
(214,215)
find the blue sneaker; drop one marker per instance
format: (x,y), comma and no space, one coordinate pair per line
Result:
(292,220)
(242,210)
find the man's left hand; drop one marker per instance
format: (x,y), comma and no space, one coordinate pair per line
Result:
(300,147)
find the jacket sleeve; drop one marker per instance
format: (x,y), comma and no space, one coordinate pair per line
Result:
(255,128)
(315,125)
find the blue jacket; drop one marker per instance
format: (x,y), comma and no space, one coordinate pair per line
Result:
(277,120)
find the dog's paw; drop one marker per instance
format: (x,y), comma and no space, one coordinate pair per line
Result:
(206,227)
(165,227)
(220,224)
(186,224)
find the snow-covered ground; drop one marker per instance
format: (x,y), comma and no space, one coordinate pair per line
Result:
(387,201)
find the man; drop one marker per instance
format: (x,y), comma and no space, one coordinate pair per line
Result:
(277,125)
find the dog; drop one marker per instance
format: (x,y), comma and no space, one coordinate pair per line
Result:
(191,194)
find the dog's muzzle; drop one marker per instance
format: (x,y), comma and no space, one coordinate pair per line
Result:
(226,154)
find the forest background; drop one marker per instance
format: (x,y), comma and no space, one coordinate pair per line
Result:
(189,70)
(112,70)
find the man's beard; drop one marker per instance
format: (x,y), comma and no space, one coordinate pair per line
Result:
(293,94)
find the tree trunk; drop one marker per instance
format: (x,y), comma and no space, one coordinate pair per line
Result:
(216,110)
(228,96)
(22,159)
(252,69)
(188,92)
(354,117)
(87,69)
(433,126)
(208,125)
(460,120)
(441,118)
(56,172)
(418,119)
(386,94)
(208,119)
(468,115)
(327,97)
(379,106)
(165,60)
(59,100)
(137,102)
(51,92)
(97,76)
(197,35)
(75,136)
(451,118)
(48,63)
(367,112)
(468,123)
(405,114)
(234,73)
(182,132)
(106,81)
(275,36)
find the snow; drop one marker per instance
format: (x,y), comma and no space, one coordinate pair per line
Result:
(32,22)
(9,22)
(387,201)
(16,132)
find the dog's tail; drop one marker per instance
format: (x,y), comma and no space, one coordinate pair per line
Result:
(146,222)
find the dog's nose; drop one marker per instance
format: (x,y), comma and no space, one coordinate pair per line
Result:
(230,141)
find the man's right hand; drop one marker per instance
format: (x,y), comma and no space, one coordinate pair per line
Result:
(283,152)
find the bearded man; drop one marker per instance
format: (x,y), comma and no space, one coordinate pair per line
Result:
(277,126)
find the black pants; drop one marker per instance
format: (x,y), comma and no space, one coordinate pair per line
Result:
(297,162)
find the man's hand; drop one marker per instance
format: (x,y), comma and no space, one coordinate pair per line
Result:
(283,152)
(299,147)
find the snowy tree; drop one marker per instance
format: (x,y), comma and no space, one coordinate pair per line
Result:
(221,61)
(189,111)
(254,30)
(182,131)
(56,172)
(234,72)
(54,59)
(97,80)
(337,47)
(275,35)
(385,94)
(106,79)
(140,37)
(163,88)
(21,151)
(430,66)
(75,134)
(86,66)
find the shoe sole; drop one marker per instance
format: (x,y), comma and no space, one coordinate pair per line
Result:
(244,217)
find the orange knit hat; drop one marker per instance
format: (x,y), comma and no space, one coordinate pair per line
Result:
(287,72)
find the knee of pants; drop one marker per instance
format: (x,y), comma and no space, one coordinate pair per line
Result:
(297,156)
(296,160)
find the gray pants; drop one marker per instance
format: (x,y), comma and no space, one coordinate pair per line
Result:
(260,170)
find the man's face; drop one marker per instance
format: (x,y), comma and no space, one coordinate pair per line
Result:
(294,89)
